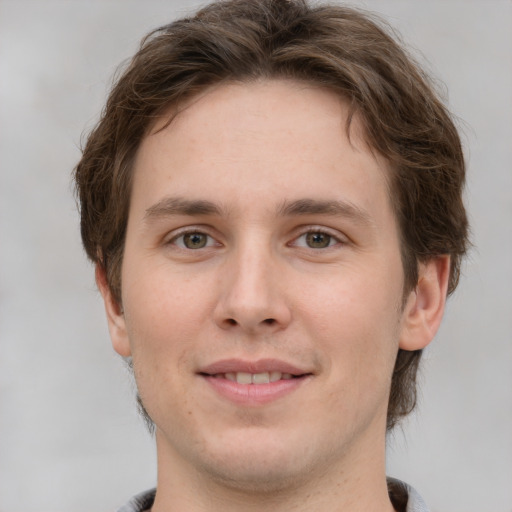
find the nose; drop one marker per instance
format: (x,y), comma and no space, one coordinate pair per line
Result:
(251,294)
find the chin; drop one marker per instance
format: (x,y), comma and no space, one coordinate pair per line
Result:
(263,466)
(259,477)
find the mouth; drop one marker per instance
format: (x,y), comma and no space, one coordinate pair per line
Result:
(253,383)
(254,378)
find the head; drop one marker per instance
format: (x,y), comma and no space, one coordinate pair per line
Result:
(336,48)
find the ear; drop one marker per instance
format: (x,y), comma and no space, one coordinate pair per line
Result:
(115,315)
(424,309)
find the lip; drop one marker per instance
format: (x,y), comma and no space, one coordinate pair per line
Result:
(252,394)
(259,366)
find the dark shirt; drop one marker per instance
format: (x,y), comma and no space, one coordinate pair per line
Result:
(403,497)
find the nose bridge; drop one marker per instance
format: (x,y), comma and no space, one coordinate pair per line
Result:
(253,269)
(251,296)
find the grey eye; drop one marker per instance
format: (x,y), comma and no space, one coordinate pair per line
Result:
(318,240)
(195,240)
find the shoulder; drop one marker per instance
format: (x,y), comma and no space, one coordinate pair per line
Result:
(404,497)
(140,502)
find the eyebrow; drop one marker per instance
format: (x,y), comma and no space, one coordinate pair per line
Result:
(328,207)
(180,206)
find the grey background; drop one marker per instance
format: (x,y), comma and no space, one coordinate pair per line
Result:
(70,437)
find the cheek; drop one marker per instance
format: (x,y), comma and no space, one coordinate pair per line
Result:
(161,334)
(161,305)
(159,321)
(355,322)
(353,302)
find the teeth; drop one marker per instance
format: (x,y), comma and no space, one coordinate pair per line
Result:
(275,376)
(256,378)
(261,378)
(244,378)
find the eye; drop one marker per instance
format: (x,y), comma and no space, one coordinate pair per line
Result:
(316,240)
(193,240)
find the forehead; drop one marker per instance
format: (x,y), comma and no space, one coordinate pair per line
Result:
(241,139)
(274,103)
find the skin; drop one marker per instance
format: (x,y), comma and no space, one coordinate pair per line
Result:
(330,303)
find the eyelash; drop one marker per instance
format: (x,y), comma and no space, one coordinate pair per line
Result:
(178,240)
(174,240)
(333,239)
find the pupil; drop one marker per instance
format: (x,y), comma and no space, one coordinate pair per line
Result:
(318,240)
(194,240)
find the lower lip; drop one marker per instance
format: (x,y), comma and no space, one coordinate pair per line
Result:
(253,394)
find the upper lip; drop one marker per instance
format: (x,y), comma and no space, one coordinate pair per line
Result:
(259,366)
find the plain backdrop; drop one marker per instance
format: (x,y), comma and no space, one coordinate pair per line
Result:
(70,436)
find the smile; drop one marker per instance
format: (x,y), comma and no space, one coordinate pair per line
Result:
(253,383)
(254,378)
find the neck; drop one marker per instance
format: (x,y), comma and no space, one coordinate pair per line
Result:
(357,484)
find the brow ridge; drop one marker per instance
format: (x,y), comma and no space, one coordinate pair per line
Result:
(300,207)
(325,207)
(181,206)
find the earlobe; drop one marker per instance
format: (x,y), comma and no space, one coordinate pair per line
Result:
(115,315)
(424,309)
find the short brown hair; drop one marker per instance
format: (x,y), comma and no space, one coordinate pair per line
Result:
(340,48)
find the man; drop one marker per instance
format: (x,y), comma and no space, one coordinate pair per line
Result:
(272,200)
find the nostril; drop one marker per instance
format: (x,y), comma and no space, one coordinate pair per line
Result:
(232,322)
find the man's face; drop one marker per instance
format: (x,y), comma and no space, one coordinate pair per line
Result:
(261,246)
